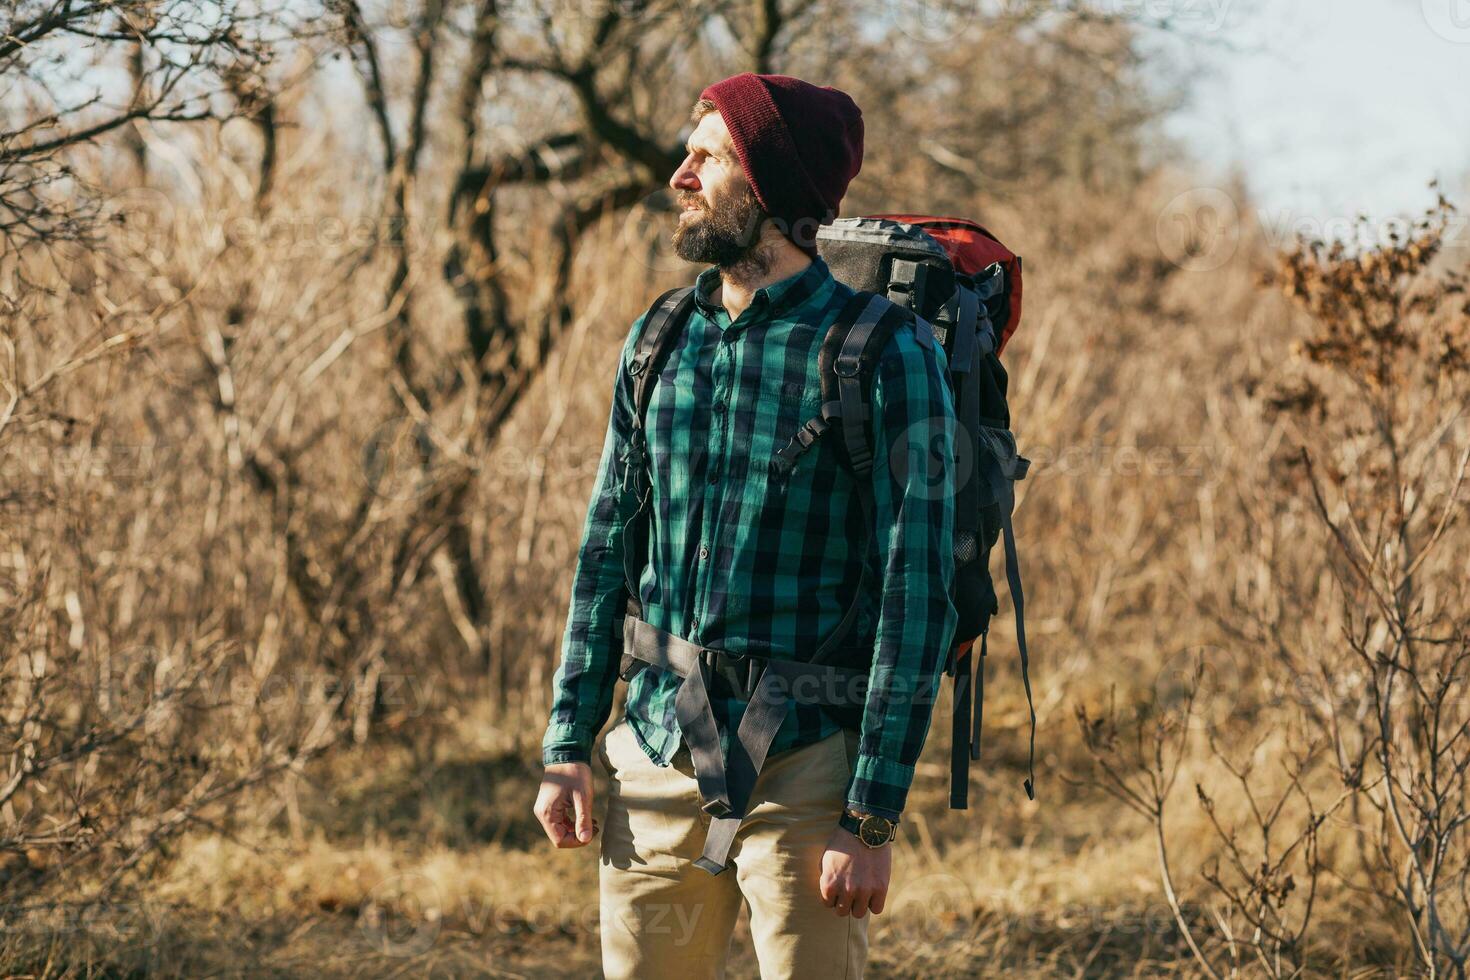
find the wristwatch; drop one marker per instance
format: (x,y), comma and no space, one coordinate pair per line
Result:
(871,829)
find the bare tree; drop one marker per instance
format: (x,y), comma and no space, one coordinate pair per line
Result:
(1374,405)
(178,55)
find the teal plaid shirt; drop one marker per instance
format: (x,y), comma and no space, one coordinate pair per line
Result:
(741,564)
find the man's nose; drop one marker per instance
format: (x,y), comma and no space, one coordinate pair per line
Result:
(684,178)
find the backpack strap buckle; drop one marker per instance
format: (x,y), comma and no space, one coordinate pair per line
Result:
(741,672)
(903,283)
(810,431)
(635,457)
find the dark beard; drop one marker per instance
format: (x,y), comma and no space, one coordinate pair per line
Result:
(727,236)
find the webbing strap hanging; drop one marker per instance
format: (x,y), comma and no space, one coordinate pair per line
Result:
(725,792)
(759,723)
(979,698)
(965,730)
(697,721)
(1018,600)
(646,642)
(967,434)
(959,770)
(964,737)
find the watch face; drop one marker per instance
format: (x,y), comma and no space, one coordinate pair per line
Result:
(874,831)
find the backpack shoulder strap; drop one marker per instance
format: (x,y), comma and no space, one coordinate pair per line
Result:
(848,361)
(662,325)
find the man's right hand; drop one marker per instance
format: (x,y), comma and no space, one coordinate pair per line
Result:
(564,805)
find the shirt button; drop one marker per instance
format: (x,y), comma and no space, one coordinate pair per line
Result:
(703,551)
(719,408)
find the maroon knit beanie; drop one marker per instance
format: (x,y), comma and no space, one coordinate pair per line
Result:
(799,144)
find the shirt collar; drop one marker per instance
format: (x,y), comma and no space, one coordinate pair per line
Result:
(769,301)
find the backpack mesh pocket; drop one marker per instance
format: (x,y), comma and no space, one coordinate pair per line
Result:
(966,549)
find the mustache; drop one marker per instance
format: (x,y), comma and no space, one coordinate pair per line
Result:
(687,199)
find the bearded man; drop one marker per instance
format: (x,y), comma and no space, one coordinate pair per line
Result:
(753,570)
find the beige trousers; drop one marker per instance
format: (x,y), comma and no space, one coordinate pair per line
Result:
(664,919)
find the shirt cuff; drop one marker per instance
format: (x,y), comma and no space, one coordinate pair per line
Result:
(567,743)
(880,786)
(877,811)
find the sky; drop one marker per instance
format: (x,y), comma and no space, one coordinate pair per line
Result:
(1328,107)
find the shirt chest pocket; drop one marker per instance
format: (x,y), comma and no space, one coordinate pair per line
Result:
(766,422)
(788,393)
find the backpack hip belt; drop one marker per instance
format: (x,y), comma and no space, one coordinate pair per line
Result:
(771,687)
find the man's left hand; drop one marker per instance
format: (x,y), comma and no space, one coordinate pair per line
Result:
(854,875)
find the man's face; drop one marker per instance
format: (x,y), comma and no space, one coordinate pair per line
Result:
(719,217)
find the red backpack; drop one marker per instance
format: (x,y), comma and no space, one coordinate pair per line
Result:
(957,276)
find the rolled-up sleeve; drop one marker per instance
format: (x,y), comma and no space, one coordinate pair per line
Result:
(914,473)
(585,680)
